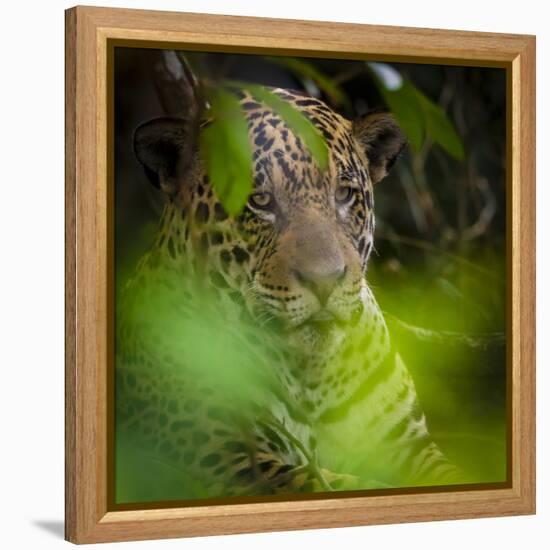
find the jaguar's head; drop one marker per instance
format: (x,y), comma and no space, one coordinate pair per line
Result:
(299,250)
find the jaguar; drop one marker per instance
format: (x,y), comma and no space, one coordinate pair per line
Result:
(297,386)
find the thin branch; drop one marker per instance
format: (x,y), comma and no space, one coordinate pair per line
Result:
(479,227)
(417,243)
(475,341)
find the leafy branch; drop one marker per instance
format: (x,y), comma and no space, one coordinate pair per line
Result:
(225,143)
(420,118)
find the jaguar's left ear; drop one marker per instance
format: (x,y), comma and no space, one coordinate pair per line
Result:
(382,140)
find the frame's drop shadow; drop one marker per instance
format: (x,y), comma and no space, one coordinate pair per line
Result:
(55,527)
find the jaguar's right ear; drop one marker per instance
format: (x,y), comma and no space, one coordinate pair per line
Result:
(164,146)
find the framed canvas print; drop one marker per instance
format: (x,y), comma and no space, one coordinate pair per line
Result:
(300,263)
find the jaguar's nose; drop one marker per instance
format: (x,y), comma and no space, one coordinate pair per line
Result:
(321,282)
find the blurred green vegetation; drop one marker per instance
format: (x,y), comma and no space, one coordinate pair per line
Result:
(192,346)
(439,265)
(457,374)
(450,331)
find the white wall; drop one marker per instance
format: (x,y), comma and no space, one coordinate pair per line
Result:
(31,268)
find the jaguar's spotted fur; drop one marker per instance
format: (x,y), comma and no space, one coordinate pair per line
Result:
(335,404)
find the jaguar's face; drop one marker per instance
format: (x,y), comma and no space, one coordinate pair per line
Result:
(314,228)
(299,250)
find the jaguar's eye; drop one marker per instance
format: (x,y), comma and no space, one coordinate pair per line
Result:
(343,194)
(261,200)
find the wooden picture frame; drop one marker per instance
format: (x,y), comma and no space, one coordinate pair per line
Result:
(89,259)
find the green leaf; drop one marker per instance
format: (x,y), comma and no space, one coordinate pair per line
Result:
(227,152)
(226,148)
(296,120)
(440,128)
(302,69)
(403,103)
(419,117)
